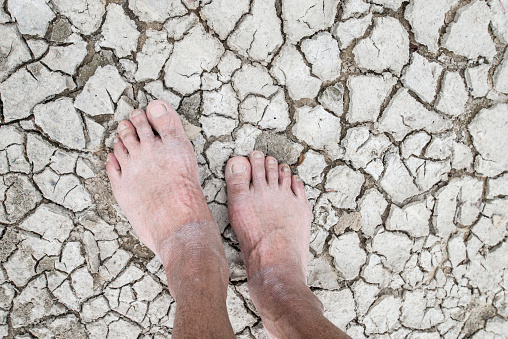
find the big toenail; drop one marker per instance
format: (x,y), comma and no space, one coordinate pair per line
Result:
(121,127)
(238,168)
(136,113)
(285,169)
(158,110)
(272,161)
(258,155)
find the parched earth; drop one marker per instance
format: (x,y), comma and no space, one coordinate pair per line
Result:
(393,112)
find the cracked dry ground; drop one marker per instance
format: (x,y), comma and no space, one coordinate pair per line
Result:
(394,113)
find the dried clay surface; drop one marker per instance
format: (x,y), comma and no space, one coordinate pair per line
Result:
(393,112)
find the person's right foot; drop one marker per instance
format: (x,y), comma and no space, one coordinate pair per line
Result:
(271,217)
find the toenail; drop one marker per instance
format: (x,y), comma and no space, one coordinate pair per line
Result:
(108,158)
(272,161)
(285,169)
(158,110)
(121,127)
(136,112)
(258,155)
(117,139)
(298,179)
(238,168)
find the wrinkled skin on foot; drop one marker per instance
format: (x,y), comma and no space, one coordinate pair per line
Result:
(269,212)
(155,180)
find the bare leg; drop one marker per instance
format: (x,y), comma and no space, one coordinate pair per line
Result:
(271,218)
(156,183)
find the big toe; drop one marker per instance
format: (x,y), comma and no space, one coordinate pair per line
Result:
(238,176)
(164,119)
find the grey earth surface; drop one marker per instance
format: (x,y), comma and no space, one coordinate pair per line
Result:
(393,112)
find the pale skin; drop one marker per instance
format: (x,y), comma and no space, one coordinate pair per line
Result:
(154,177)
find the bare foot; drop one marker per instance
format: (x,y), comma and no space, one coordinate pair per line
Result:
(156,183)
(271,217)
(269,212)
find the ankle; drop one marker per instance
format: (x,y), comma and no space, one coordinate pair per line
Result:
(280,293)
(208,280)
(266,262)
(200,273)
(194,259)
(288,307)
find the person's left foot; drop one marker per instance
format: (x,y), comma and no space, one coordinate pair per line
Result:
(155,180)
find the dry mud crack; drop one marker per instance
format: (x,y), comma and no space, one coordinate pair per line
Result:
(393,112)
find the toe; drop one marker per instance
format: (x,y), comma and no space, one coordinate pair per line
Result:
(297,186)
(113,168)
(120,152)
(127,133)
(272,171)
(143,128)
(238,175)
(284,176)
(164,119)
(257,161)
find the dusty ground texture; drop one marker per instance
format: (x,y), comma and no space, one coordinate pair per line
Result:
(393,112)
